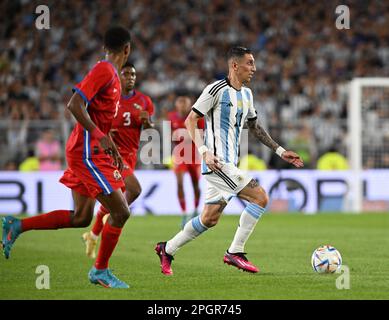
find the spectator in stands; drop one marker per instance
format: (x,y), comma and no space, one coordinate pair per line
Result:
(304,63)
(31,163)
(332,160)
(251,162)
(48,151)
(304,144)
(10,166)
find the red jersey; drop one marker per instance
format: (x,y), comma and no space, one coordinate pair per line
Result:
(128,123)
(101,90)
(178,122)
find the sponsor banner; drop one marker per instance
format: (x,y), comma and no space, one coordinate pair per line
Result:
(306,191)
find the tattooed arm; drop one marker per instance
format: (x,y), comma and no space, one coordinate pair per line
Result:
(259,132)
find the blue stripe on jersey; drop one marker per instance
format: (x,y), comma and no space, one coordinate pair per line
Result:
(95,172)
(239,115)
(225,107)
(247,94)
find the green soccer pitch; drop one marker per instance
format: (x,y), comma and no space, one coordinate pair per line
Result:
(281,246)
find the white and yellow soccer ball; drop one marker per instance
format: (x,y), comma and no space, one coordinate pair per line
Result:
(326,259)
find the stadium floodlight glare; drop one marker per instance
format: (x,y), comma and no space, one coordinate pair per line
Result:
(355,129)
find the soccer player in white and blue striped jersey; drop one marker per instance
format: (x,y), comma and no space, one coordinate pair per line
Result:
(226,105)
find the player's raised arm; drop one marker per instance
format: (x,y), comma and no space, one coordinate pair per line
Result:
(258,131)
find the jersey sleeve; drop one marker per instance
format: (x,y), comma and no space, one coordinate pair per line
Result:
(252,113)
(204,103)
(99,77)
(150,106)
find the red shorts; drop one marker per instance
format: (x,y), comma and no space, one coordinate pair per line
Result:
(92,177)
(191,168)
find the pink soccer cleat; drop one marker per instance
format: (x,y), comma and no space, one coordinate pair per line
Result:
(166,259)
(239,261)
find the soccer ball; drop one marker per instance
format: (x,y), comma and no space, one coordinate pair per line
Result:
(326,259)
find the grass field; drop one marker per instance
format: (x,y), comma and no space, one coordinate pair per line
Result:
(281,246)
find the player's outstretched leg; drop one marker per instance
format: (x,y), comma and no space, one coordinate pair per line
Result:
(193,228)
(235,255)
(11,231)
(57,219)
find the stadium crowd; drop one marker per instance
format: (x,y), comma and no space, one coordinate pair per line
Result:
(303,63)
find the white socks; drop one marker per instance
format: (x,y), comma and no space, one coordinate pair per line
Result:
(192,229)
(247,222)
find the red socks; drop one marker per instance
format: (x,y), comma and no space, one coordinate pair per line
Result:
(98,225)
(57,219)
(109,239)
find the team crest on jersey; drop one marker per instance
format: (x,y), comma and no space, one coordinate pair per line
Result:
(137,106)
(239,178)
(117,175)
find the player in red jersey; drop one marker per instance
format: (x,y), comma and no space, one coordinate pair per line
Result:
(90,150)
(190,162)
(133,115)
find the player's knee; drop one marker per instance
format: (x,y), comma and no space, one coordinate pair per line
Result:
(81,221)
(261,198)
(137,191)
(121,216)
(125,215)
(133,194)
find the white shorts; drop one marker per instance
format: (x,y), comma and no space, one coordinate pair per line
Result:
(226,183)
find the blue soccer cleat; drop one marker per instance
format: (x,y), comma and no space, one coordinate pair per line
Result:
(106,279)
(11,230)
